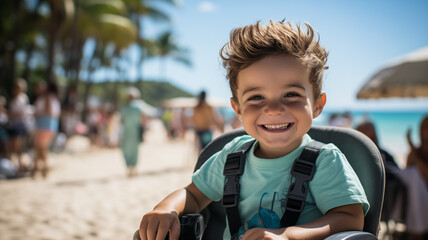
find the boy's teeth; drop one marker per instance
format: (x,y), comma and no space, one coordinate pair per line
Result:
(274,127)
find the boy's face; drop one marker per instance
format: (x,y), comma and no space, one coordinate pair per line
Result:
(275,104)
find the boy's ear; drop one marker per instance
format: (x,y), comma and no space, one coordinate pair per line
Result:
(236,108)
(319,105)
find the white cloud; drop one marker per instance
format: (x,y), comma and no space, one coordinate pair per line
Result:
(207,6)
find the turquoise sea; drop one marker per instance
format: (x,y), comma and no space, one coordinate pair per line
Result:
(391,127)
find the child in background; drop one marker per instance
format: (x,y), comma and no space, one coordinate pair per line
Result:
(275,75)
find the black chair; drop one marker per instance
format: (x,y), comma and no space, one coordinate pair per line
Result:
(361,153)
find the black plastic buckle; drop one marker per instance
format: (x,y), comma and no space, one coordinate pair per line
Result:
(297,196)
(303,169)
(231,192)
(230,201)
(234,164)
(295,203)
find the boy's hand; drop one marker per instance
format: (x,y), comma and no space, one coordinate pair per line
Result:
(263,233)
(156,224)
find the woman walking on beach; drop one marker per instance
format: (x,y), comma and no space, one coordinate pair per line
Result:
(47,112)
(132,120)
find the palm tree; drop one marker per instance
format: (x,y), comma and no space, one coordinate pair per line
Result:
(166,47)
(60,11)
(106,22)
(20,24)
(137,10)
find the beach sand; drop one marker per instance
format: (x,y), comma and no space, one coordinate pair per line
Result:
(88,195)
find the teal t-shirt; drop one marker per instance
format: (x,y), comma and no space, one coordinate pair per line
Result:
(334,184)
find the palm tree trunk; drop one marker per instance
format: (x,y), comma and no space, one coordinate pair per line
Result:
(73,53)
(29,54)
(76,62)
(116,86)
(140,62)
(55,23)
(88,87)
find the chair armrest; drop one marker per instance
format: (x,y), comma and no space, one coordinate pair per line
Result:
(352,235)
(192,227)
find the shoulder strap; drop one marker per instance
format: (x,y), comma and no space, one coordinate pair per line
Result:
(303,170)
(233,169)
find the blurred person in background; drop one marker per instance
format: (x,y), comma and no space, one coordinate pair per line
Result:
(69,117)
(4,150)
(103,124)
(416,178)
(178,125)
(341,120)
(18,114)
(92,122)
(166,120)
(204,119)
(183,123)
(132,121)
(47,113)
(113,128)
(410,180)
(418,157)
(367,127)
(395,199)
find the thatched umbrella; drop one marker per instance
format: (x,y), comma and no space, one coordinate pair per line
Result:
(406,77)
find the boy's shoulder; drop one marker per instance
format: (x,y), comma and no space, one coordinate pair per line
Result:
(330,148)
(237,143)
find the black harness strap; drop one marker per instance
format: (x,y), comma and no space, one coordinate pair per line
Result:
(303,171)
(233,169)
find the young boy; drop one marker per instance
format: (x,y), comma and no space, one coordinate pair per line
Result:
(275,75)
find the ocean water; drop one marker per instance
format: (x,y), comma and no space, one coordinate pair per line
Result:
(391,128)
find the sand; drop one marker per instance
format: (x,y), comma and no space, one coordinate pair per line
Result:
(88,195)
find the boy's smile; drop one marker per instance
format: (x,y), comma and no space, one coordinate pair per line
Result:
(277,127)
(275,103)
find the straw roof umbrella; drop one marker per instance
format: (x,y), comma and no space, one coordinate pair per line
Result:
(405,77)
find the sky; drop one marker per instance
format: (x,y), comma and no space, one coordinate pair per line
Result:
(360,36)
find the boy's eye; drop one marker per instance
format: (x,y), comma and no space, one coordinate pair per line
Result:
(256,97)
(292,94)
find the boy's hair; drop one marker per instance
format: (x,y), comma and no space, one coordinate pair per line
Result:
(251,43)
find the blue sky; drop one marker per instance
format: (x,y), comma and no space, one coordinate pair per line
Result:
(361,36)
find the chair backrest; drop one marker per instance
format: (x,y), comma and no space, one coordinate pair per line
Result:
(360,151)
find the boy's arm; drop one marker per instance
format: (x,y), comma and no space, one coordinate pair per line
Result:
(164,217)
(344,218)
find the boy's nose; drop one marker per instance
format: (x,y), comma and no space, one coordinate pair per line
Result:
(274,108)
